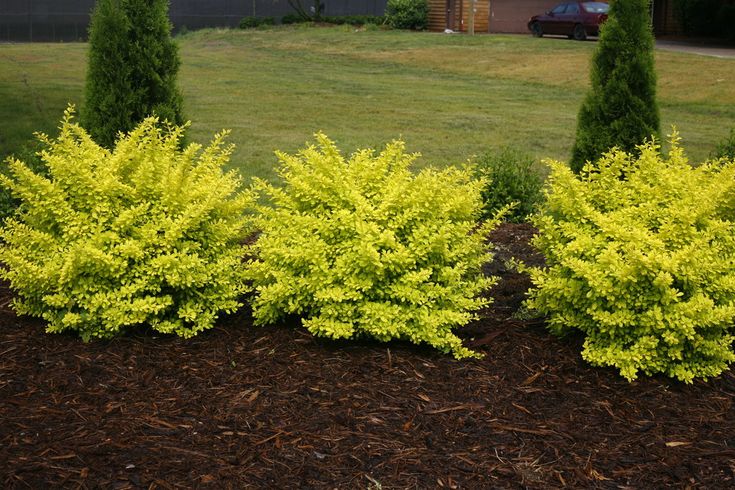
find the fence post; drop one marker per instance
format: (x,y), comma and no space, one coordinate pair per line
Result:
(30,20)
(471,27)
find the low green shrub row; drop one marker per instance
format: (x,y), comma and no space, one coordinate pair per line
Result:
(149,234)
(355,20)
(253,22)
(292,19)
(640,248)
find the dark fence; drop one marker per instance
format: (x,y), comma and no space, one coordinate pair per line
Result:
(67,20)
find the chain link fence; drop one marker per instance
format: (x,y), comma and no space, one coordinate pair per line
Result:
(68,20)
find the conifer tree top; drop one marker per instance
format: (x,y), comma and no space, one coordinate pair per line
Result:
(620,110)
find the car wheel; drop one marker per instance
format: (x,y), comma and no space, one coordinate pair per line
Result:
(579,33)
(536,30)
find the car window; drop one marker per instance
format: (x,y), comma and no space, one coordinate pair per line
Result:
(572,8)
(596,7)
(559,9)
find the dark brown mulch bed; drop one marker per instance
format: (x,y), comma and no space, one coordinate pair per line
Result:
(273,407)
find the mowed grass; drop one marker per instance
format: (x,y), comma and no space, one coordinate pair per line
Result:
(448,96)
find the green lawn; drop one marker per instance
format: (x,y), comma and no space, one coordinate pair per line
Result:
(447,96)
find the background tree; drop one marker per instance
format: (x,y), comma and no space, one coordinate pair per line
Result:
(620,108)
(707,18)
(133,64)
(407,14)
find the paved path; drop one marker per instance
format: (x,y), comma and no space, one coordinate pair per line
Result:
(687,47)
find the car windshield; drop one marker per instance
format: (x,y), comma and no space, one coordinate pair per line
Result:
(596,7)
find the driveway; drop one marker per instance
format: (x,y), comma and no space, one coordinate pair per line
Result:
(695,48)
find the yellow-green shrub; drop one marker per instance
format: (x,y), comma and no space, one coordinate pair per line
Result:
(362,247)
(640,257)
(145,234)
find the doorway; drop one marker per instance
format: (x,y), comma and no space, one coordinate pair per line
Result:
(451,13)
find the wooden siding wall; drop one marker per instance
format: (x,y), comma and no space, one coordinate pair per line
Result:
(438,15)
(490,15)
(512,15)
(482,15)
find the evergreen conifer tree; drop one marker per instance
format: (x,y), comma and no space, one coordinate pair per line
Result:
(620,109)
(132,70)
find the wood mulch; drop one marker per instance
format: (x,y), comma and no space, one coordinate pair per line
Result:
(241,406)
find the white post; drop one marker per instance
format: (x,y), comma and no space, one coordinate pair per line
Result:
(471,28)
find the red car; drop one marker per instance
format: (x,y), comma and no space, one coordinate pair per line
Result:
(573,19)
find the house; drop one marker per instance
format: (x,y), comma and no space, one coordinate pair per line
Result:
(67,20)
(511,16)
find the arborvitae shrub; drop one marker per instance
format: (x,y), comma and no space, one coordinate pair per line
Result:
(620,110)
(132,70)
(511,178)
(407,14)
(363,247)
(145,234)
(644,265)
